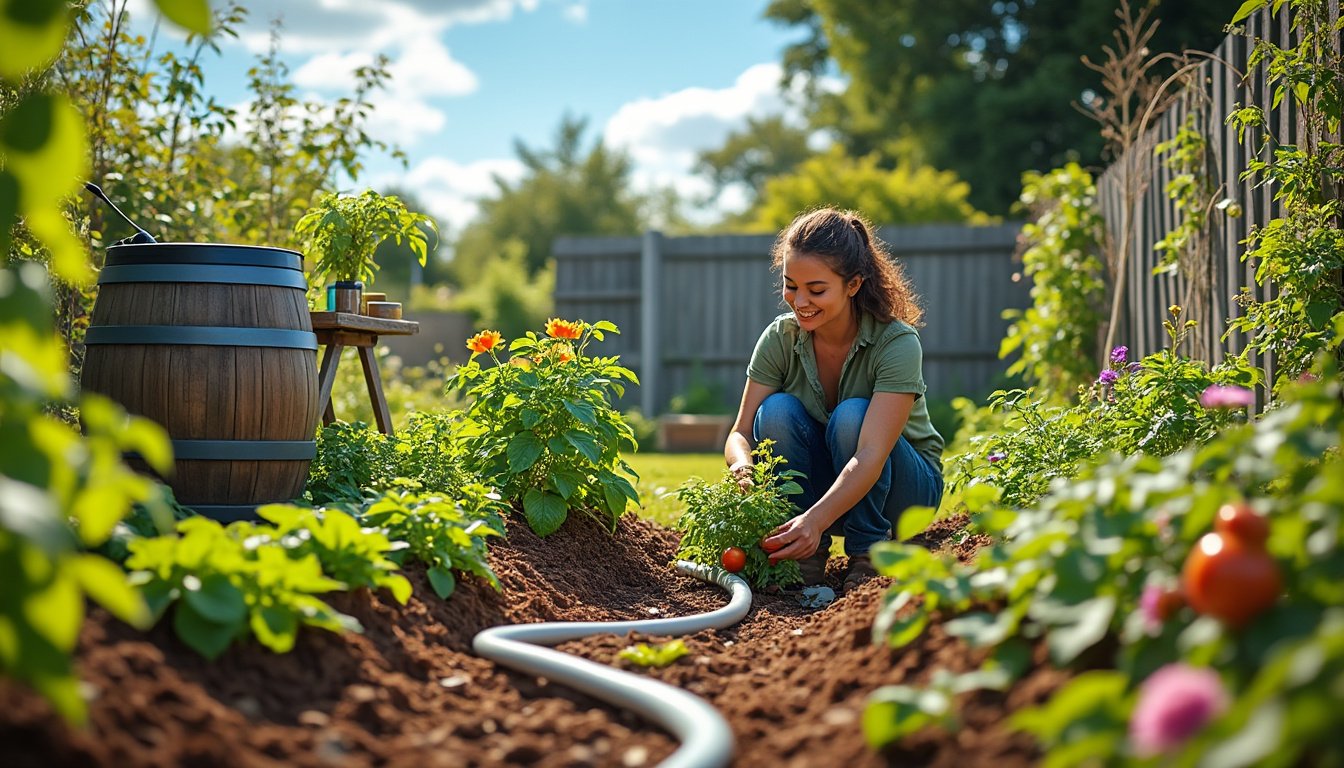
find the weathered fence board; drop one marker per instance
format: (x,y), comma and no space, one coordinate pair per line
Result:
(694,306)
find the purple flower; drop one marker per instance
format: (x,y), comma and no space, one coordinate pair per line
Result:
(1175,702)
(1229,396)
(1108,377)
(1119,354)
(1134,367)
(996,457)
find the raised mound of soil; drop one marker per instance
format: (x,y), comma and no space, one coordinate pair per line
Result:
(408,691)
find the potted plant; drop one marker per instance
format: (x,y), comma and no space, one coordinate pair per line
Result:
(341,232)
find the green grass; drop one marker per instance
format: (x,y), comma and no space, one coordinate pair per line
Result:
(660,474)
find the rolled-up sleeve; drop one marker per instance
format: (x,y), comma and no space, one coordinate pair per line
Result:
(899,365)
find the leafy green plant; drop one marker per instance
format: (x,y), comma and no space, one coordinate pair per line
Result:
(1151,406)
(1302,252)
(351,554)
(1055,337)
(1076,571)
(62,493)
(543,427)
(355,461)
(720,515)
(227,583)
(445,534)
(341,232)
(350,459)
(657,656)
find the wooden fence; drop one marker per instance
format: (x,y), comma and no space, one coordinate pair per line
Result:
(694,306)
(1212,275)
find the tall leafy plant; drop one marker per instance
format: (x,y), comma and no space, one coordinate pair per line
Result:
(1055,338)
(1302,252)
(543,425)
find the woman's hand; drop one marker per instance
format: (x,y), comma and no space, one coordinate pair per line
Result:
(743,474)
(794,540)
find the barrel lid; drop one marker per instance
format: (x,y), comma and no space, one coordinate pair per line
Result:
(204,253)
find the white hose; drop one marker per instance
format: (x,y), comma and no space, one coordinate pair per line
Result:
(706,739)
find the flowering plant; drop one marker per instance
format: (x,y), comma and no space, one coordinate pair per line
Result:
(542,424)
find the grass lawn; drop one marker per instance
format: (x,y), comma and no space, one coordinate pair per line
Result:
(661,473)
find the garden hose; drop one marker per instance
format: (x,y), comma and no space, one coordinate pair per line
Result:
(706,739)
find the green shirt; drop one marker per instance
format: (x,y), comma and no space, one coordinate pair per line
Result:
(886,357)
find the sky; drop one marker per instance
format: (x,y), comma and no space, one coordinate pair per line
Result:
(659,79)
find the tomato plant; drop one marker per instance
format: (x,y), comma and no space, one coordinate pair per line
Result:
(734,559)
(720,516)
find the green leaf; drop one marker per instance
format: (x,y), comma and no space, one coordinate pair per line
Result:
(545,512)
(56,612)
(913,522)
(398,585)
(582,411)
(1090,621)
(585,444)
(1247,8)
(657,656)
(191,15)
(442,580)
(105,582)
(616,499)
(216,598)
(896,711)
(276,627)
(523,451)
(32,33)
(566,482)
(208,638)
(530,418)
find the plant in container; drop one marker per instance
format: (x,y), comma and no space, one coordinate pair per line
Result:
(341,232)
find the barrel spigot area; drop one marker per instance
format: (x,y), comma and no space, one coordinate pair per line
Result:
(706,739)
(215,343)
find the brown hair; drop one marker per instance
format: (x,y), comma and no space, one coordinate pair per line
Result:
(846,243)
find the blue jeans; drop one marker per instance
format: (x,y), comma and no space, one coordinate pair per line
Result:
(821,451)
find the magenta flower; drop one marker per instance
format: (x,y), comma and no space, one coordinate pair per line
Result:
(1108,377)
(1150,608)
(1119,354)
(996,457)
(1175,702)
(1134,367)
(1226,396)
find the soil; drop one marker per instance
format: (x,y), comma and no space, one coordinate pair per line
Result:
(791,682)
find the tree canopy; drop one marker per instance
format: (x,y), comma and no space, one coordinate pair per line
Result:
(986,90)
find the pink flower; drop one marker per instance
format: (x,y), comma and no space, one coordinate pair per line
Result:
(1148,608)
(996,457)
(1175,702)
(1226,396)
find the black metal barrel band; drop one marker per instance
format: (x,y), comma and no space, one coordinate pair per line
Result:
(202,273)
(201,335)
(244,450)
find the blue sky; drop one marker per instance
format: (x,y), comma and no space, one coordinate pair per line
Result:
(660,79)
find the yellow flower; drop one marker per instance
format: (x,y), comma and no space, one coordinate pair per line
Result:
(484,342)
(563,329)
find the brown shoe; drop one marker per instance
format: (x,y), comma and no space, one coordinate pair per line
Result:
(814,567)
(860,570)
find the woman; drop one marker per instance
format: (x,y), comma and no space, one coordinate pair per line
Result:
(837,383)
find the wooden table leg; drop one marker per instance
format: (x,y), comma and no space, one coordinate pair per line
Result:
(326,377)
(369,359)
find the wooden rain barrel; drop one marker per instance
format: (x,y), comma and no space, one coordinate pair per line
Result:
(215,343)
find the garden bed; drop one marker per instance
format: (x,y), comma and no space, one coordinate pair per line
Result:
(792,683)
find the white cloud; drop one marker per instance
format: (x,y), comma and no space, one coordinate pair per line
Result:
(318,25)
(449,190)
(423,67)
(577,12)
(663,135)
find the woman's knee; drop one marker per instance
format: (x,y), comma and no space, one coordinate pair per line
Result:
(779,414)
(846,422)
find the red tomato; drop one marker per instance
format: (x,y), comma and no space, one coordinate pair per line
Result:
(1229,580)
(1242,523)
(771,546)
(734,559)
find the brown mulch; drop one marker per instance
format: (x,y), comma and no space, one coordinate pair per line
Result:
(409,692)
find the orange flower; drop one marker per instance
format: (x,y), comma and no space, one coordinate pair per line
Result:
(563,329)
(484,342)
(564,353)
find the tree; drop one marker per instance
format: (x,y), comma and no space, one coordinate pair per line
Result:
(986,89)
(766,147)
(905,195)
(566,191)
